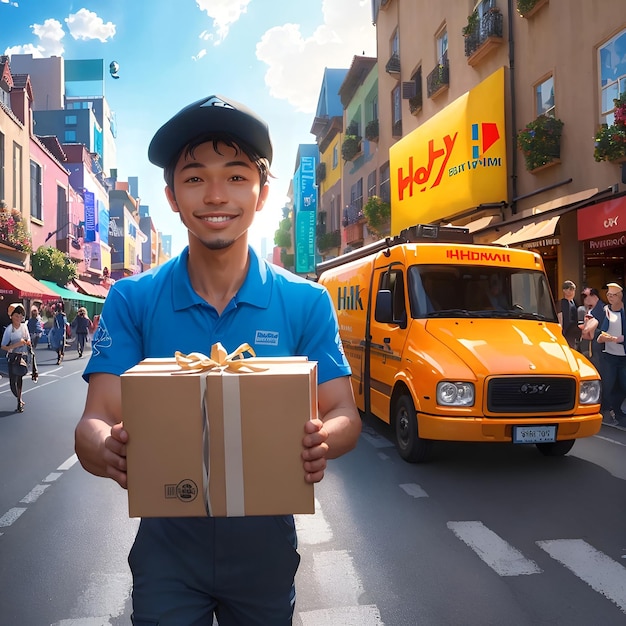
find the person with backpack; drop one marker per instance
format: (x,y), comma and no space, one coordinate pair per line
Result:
(35,327)
(81,326)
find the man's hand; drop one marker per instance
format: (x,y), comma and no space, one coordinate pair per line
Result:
(115,454)
(315,450)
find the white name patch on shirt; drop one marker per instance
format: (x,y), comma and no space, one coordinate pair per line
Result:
(266,338)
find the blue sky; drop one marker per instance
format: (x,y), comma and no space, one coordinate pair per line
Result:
(268,54)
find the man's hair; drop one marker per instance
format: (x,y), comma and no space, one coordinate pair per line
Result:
(227,139)
(592,291)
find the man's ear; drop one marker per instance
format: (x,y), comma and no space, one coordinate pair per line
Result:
(262,196)
(171,198)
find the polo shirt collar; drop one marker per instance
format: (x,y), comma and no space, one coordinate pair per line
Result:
(256,289)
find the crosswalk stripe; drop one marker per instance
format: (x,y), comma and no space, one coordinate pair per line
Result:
(595,568)
(313,529)
(502,557)
(414,490)
(363,615)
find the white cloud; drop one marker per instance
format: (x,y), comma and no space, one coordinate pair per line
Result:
(296,63)
(86,24)
(224,14)
(200,54)
(50,35)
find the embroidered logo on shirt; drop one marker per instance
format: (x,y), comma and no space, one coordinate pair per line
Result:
(101,338)
(266,338)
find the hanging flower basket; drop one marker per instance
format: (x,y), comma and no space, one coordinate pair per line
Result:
(540,141)
(350,147)
(610,141)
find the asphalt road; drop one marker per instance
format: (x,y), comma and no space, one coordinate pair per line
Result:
(484,534)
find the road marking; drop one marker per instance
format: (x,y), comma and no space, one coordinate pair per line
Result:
(67,464)
(50,478)
(10,516)
(313,529)
(33,494)
(414,490)
(102,601)
(363,615)
(502,557)
(599,571)
(383,456)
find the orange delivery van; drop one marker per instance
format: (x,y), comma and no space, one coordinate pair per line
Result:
(454,341)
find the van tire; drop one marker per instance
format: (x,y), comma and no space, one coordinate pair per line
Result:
(410,447)
(558,448)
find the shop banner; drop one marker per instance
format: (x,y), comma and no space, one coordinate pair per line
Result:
(454,161)
(601,220)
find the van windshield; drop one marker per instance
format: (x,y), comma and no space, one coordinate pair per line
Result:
(477,291)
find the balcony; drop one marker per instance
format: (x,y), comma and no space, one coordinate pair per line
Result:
(393,65)
(439,79)
(483,37)
(328,240)
(528,8)
(354,233)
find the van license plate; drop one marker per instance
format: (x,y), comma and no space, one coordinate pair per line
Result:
(534,434)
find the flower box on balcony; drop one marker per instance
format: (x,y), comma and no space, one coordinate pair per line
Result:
(545,166)
(528,8)
(540,141)
(610,141)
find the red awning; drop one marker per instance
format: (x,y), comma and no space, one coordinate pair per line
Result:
(19,285)
(91,289)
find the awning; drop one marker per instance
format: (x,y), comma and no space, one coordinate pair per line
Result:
(91,289)
(19,285)
(68,294)
(480,223)
(529,232)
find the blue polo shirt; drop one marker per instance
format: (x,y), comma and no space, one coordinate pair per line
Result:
(155,313)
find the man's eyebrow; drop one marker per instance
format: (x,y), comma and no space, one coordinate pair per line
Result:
(197,164)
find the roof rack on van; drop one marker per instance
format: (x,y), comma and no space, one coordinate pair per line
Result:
(432,233)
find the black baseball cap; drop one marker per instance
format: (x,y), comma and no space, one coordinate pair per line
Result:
(213,114)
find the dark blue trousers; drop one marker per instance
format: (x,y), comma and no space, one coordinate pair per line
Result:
(241,569)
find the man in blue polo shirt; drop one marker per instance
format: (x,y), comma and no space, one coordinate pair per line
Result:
(216,155)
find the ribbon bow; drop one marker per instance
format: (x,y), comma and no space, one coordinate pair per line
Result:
(220,359)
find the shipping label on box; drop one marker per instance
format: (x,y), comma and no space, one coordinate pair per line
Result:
(218,442)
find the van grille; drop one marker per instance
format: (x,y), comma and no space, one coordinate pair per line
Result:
(530,394)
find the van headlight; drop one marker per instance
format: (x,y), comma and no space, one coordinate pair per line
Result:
(589,392)
(455,394)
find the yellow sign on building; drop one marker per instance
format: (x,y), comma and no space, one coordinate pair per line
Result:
(454,161)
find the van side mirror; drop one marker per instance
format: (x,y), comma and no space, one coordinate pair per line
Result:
(383,312)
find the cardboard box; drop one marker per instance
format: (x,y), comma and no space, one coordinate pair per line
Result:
(218,443)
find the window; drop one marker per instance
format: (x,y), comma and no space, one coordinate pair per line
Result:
(17,177)
(612,72)
(35,191)
(70,136)
(335,155)
(371,184)
(396,109)
(356,194)
(395,43)
(385,193)
(442,47)
(71,120)
(544,98)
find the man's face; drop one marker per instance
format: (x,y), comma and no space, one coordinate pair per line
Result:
(216,195)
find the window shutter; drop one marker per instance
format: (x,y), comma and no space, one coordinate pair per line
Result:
(408,90)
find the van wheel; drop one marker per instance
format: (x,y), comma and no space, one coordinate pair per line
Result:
(410,447)
(558,448)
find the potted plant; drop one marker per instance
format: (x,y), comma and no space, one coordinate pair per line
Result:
(610,141)
(472,24)
(540,141)
(377,213)
(371,131)
(350,147)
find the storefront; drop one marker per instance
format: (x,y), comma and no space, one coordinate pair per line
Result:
(602,229)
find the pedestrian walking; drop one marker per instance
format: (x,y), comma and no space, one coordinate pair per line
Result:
(35,327)
(16,341)
(58,332)
(612,332)
(568,315)
(80,327)
(216,155)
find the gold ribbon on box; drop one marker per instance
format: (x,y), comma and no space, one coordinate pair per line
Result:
(219,359)
(235,362)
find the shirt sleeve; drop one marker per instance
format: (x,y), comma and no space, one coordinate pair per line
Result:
(117,343)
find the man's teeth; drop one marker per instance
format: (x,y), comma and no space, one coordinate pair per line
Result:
(222,218)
